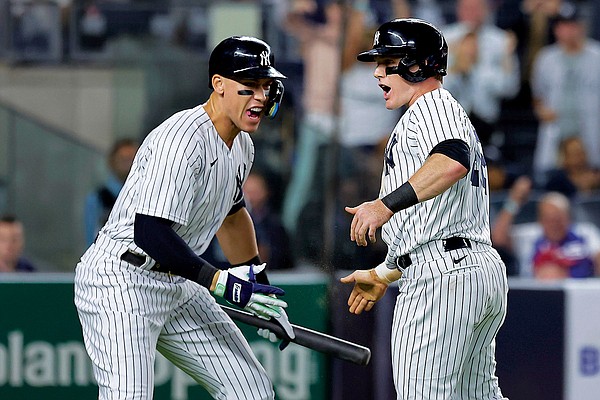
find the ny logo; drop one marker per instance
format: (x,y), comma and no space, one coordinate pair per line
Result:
(376,39)
(389,156)
(239,194)
(264,59)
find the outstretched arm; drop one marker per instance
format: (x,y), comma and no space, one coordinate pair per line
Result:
(437,174)
(368,289)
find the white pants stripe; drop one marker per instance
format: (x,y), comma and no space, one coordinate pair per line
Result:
(444,326)
(127,313)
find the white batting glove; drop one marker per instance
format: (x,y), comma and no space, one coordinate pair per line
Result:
(267,334)
(287,328)
(283,320)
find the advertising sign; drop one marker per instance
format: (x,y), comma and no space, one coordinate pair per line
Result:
(42,355)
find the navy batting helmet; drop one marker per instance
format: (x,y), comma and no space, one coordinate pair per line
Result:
(415,42)
(242,57)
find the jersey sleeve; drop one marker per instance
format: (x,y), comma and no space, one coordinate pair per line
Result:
(436,120)
(170,170)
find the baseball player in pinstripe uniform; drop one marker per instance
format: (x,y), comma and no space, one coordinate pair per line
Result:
(433,210)
(142,286)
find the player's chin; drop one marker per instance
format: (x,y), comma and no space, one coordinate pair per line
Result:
(391,103)
(250,123)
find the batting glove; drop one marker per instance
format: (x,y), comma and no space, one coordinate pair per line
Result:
(287,328)
(238,286)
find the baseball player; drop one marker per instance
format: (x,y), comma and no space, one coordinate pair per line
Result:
(433,210)
(141,286)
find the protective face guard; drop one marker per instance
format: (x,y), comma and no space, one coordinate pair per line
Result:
(273,98)
(403,69)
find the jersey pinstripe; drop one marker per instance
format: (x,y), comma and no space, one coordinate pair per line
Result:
(128,313)
(185,173)
(451,303)
(445,322)
(460,211)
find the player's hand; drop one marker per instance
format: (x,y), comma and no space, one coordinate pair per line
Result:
(238,286)
(287,328)
(284,321)
(368,289)
(368,217)
(520,190)
(267,334)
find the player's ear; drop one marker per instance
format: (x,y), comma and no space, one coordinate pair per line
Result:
(217,83)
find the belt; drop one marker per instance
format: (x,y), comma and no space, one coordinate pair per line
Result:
(137,260)
(452,243)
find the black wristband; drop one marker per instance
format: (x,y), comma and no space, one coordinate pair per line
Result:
(401,198)
(206,274)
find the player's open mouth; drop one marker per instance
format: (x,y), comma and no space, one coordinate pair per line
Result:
(385,88)
(254,112)
(386,91)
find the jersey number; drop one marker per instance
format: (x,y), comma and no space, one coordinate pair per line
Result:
(479,168)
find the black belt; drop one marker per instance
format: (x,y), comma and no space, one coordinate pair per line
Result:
(138,260)
(452,243)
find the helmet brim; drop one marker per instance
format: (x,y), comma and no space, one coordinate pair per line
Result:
(258,73)
(392,51)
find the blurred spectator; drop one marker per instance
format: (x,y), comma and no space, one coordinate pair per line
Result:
(365,124)
(563,250)
(328,58)
(483,68)
(351,119)
(502,173)
(429,10)
(273,240)
(317,29)
(35,29)
(553,247)
(93,27)
(530,20)
(503,221)
(12,243)
(575,174)
(99,203)
(566,91)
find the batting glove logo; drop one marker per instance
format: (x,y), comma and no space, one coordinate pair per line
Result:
(236,294)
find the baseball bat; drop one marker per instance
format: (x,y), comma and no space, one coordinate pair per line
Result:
(306,337)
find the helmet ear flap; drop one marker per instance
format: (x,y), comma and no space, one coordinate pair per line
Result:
(275,96)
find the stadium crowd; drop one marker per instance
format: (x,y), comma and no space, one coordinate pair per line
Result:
(526,71)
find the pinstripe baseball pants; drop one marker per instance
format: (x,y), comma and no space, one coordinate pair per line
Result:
(127,313)
(450,306)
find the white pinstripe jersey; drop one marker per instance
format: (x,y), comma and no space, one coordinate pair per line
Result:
(184,172)
(462,210)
